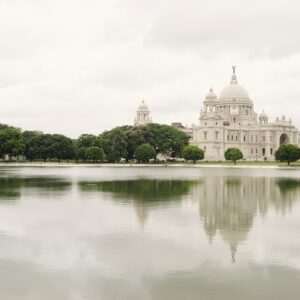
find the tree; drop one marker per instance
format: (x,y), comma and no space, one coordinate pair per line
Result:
(82,143)
(11,142)
(94,154)
(61,148)
(233,154)
(167,139)
(39,147)
(144,153)
(136,136)
(192,153)
(115,143)
(29,140)
(86,140)
(287,153)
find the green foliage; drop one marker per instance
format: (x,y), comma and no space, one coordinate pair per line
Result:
(82,143)
(287,153)
(115,143)
(29,140)
(39,147)
(233,154)
(192,153)
(94,154)
(120,142)
(4,126)
(144,153)
(61,147)
(137,136)
(167,139)
(11,142)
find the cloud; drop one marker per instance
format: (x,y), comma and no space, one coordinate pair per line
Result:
(76,66)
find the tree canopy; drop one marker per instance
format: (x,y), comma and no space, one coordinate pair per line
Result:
(11,142)
(287,153)
(233,154)
(144,153)
(94,154)
(167,139)
(116,144)
(192,153)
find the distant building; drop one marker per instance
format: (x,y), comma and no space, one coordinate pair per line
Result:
(142,115)
(230,121)
(185,129)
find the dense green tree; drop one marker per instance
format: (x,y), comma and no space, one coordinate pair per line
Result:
(82,143)
(4,126)
(11,142)
(193,153)
(29,140)
(287,153)
(79,152)
(144,153)
(86,140)
(167,139)
(114,143)
(233,154)
(39,147)
(94,154)
(61,148)
(136,136)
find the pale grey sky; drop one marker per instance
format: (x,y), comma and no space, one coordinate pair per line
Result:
(75,66)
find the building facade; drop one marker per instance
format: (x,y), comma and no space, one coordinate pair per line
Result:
(231,121)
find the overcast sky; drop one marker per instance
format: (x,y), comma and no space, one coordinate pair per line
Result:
(83,66)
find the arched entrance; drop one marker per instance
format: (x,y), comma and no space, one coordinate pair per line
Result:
(284,139)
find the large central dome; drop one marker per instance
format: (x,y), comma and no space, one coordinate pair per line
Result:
(234,92)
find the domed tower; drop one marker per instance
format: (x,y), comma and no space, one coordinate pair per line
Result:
(235,104)
(263,118)
(143,115)
(210,102)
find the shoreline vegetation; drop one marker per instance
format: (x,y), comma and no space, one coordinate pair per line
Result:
(150,145)
(203,164)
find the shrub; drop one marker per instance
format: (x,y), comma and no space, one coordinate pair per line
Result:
(192,153)
(233,154)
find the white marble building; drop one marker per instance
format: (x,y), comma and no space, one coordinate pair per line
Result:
(142,115)
(230,121)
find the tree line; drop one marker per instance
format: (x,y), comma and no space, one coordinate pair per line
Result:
(125,142)
(138,143)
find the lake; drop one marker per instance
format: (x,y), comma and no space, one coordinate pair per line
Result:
(73,233)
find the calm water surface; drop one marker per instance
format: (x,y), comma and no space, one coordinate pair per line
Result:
(149,233)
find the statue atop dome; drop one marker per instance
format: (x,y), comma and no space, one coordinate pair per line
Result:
(233,77)
(233,70)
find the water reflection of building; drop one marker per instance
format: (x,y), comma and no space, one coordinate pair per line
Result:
(228,205)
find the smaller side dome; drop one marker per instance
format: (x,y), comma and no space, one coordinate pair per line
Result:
(143,106)
(263,118)
(211,96)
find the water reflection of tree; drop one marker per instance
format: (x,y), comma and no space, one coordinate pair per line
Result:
(228,205)
(144,193)
(11,187)
(289,192)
